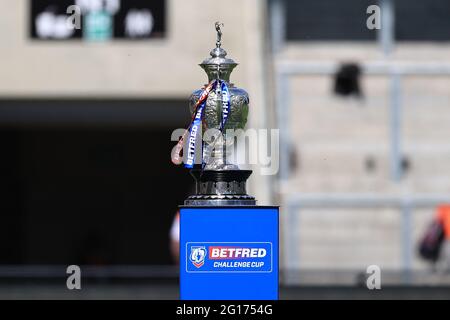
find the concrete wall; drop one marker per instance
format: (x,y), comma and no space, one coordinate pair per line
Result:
(156,68)
(334,137)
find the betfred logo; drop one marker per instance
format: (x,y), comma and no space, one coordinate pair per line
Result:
(197,256)
(217,253)
(229,257)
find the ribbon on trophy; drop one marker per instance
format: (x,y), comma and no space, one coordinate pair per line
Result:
(177,156)
(197,120)
(224,92)
(225,104)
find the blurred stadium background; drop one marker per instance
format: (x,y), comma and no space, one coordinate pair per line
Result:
(86,119)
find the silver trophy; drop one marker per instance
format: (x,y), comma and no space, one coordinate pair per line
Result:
(220,182)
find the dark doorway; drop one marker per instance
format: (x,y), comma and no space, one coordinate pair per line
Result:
(95,194)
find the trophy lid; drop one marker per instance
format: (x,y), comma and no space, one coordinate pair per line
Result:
(218,61)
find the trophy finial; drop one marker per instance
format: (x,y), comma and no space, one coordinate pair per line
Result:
(219,33)
(218,58)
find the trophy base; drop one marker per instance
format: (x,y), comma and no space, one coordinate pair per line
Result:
(220,188)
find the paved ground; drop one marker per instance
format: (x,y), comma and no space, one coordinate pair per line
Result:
(170,291)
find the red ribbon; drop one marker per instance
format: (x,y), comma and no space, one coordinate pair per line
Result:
(177,156)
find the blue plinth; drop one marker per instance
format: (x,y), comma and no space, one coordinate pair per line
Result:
(229,253)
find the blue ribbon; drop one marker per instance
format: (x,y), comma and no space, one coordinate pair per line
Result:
(195,127)
(193,131)
(225,104)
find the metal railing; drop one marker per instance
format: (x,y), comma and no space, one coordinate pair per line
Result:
(394,70)
(406,204)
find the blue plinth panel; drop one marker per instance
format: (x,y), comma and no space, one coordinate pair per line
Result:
(229,253)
